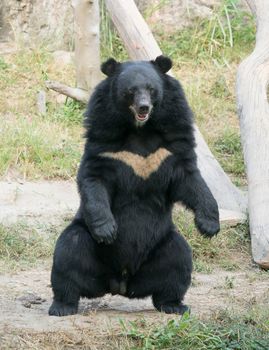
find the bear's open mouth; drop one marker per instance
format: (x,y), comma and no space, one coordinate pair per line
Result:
(142,117)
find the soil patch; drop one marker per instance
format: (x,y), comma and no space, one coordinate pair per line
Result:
(26,297)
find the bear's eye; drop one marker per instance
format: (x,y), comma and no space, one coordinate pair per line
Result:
(129,93)
(151,90)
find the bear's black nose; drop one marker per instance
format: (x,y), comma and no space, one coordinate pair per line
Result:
(143,109)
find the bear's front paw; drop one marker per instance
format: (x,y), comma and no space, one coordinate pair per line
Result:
(207,225)
(106,233)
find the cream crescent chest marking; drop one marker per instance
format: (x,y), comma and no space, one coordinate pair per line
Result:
(142,166)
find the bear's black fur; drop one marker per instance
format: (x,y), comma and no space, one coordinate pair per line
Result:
(139,160)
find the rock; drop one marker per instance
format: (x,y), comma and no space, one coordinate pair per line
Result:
(61,99)
(175,14)
(34,22)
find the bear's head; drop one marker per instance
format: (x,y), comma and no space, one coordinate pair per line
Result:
(137,86)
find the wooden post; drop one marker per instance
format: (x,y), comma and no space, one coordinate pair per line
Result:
(87,45)
(141,45)
(253,110)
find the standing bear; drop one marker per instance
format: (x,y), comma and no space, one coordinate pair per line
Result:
(139,160)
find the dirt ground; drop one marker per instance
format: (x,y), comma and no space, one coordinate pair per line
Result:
(26,296)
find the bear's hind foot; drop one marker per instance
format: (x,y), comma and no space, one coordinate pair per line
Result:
(61,309)
(177,308)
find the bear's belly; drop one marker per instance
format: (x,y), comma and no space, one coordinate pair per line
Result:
(141,226)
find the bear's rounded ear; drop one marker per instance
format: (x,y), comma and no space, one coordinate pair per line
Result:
(163,63)
(109,67)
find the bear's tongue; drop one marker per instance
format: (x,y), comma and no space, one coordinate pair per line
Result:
(142,116)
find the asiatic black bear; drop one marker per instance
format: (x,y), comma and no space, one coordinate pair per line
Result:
(139,160)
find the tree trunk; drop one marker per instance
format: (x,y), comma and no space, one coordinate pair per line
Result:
(87,46)
(140,45)
(253,110)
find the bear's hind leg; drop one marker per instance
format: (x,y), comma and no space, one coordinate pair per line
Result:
(166,276)
(76,270)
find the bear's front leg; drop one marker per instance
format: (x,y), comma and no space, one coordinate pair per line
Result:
(95,210)
(193,192)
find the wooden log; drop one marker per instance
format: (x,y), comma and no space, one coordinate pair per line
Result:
(141,45)
(87,43)
(253,110)
(75,93)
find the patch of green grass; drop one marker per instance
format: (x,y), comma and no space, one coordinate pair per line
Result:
(229,264)
(5,68)
(202,266)
(230,249)
(246,331)
(69,114)
(111,44)
(25,75)
(219,88)
(228,150)
(229,282)
(3,64)
(21,246)
(228,35)
(34,61)
(36,148)
(29,66)
(242,332)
